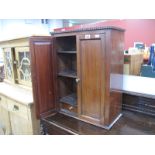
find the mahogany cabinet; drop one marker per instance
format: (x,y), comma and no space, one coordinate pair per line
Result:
(79,74)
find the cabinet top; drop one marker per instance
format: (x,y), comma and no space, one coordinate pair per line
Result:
(88,29)
(24,96)
(18,41)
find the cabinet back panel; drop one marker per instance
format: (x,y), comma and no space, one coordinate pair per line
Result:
(66,86)
(67,62)
(66,43)
(91,77)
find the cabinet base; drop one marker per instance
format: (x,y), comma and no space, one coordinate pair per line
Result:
(62,124)
(98,125)
(114,121)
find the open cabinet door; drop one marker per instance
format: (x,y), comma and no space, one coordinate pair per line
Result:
(42,61)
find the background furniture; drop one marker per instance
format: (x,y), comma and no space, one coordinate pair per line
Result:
(17,111)
(132,64)
(17,115)
(139,94)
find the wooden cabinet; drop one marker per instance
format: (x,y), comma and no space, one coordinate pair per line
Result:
(79,74)
(17,112)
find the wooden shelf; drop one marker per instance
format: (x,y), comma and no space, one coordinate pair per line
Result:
(69,73)
(67,52)
(70,99)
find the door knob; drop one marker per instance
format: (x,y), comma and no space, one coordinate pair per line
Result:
(77,80)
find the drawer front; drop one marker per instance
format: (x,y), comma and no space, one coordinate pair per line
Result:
(17,108)
(3,102)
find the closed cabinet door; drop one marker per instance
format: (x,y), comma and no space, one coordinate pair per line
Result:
(42,74)
(5,126)
(91,68)
(20,122)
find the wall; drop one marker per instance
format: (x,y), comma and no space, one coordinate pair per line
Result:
(54,23)
(141,30)
(137,30)
(11,28)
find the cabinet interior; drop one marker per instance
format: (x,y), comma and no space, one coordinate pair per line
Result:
(67,73)
(66,44)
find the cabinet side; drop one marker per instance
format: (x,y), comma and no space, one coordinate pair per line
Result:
(114,77)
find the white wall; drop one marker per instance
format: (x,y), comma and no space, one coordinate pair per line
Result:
(20,27)
(55,23)
(11,28)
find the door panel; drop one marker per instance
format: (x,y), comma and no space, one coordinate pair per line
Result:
(23,70)
(91,71)
(43,74)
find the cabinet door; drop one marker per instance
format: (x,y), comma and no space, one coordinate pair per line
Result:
(42,59)
(91,57)
(4,116)
(19,125)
